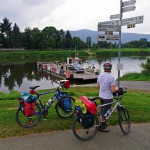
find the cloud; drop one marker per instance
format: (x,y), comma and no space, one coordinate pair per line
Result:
(70,14)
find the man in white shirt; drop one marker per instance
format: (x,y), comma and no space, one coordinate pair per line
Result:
(106,84)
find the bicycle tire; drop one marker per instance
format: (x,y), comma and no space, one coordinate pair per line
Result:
(60,112)
(84,134)
(28,122)
(124,120)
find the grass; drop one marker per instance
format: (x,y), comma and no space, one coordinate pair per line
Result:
(109,53)
(137,103)
(134,76)
(34,55)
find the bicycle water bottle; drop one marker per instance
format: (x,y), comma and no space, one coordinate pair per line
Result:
(49,102)
(107,113)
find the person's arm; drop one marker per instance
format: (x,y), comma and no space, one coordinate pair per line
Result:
(98,85)
(114,88)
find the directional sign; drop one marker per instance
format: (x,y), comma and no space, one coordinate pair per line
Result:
(130,8)
(107,37)
(114,25)
(116,16)
(109,26)
(133,20)
(114,22)
(106,28)
(128,3)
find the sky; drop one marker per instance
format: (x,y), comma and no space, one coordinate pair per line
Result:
(71,14)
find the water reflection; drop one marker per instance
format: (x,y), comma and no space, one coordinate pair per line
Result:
(19,76)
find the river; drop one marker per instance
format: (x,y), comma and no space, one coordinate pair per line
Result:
(19,76)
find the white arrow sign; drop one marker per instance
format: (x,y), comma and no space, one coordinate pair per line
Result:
(106,37)
(116,16)
(130,8)
(107,28)
(114,25)
(128,3)
(133,20)
(114,22)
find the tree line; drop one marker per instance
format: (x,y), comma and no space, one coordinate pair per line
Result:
(51,38)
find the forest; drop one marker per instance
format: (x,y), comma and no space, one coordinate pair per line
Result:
(51,38)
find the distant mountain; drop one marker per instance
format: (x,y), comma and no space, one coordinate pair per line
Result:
(126,37)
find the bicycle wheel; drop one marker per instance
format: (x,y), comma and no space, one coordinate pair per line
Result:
(82,133)
(28,122)
(65,111)
(124,120)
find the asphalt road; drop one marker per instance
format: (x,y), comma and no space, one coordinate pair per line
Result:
(131,85)
(138,139)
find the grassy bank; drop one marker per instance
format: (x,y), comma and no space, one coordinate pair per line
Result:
(34,55)
(136,101)
(125,52)
(135,77)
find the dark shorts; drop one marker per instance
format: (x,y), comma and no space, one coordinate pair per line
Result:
(105,108)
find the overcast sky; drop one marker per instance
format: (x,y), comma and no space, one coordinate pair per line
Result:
(71,14)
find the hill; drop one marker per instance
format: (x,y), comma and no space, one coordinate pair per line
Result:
(126,37)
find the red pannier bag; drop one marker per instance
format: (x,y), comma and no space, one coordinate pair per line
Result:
(90,106)
(29,109)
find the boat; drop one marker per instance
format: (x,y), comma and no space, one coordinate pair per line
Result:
(63,71)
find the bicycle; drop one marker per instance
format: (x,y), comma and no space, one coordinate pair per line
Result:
(83,132)
(41,109)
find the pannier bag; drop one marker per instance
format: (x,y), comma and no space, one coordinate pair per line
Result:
(87,120)
(90,106)
(65,105)
(29,109)
(27,104)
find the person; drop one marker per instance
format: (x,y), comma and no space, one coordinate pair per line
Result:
(106,85)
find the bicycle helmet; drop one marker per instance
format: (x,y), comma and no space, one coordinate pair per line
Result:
(107,66)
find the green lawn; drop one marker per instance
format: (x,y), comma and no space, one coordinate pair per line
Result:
(137,102)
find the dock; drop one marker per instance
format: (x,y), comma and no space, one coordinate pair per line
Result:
(53,69)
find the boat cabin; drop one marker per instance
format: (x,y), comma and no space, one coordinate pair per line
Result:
(74,60)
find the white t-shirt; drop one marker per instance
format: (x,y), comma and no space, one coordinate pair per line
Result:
(105,80)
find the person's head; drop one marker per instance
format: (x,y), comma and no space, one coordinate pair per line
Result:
(107,67)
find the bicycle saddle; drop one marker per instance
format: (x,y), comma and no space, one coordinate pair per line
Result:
(93,98)
(33,87)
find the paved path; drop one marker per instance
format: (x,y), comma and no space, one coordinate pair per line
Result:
(138,139)
(131,85)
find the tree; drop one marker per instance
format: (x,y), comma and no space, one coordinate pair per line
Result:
(5,29)
(88,42)
(37,39)
(68,40)
(50,35)
(16,37)
(27,42)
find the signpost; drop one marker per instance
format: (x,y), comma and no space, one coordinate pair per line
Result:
(115,26)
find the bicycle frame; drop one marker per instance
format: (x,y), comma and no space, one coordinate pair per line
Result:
(117,101)
(53,99)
